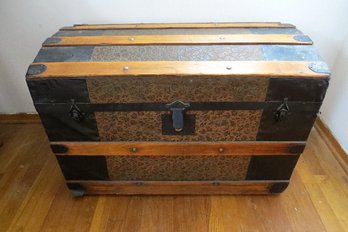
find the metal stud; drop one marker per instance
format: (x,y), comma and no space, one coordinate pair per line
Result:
(134,149)
(221,149)
(222,38)
(125,68)
(229,67)
(131,39)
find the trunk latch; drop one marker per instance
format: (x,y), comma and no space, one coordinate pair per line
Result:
(282,111)
(75,113)
(178,108)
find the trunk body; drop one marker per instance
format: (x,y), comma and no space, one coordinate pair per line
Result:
(178,108)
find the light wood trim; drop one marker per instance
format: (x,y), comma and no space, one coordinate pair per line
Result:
(179,68)
(176,187)
(175,40)
(19,118)
(180,148)
(179,25)
(326,134)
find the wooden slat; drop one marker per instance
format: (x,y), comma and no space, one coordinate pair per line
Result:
(174,40)
(180,148)
(176,187)
(179,25)
(179,68)
(178,39)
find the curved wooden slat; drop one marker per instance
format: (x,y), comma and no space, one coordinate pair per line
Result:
(177,39)
(178,187)
(178,25)
(178,148)
(179,68)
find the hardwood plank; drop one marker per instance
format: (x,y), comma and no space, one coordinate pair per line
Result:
(313,188)
(196,209)
(176,187)
(176,40)
(333,182)
(101,215)
(46,187)
(116,213)
(301,212)
(135,214)
(332,143)
(178,25)
(69,214)
(19,118)
(175,148)
(19,168)
(157,214)
(179,68)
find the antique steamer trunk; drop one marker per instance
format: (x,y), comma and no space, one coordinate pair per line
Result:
(210,108)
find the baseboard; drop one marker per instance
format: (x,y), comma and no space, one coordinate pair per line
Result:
(19,118)
(340,155)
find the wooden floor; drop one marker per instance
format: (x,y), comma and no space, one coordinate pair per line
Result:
(33,197)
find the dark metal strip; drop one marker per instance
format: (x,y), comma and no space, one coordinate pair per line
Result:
(273,167)
(297,89)
(290,53)
(64,54)
(278,187)
(295,126)
(294,106)
(303,38)
(320,67)
(59,148)
(58,90)
(35,69)
(60,126)
(83,167)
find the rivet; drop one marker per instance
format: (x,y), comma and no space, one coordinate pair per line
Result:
(125,68)
(134,149)
(222,38)
(229,67)
(131,39)
(221,149)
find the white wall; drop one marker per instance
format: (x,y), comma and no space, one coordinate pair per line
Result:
(335,107)
(25,24)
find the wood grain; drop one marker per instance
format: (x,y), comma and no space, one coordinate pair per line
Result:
(175,187)
(179,68)
(33,197)
(331,141)
(182,148)
(178,25)
(175,40)
(19,118)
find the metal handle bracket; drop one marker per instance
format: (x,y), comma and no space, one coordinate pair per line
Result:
(178,108)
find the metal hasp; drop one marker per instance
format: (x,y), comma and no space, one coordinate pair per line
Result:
(281,111)
(75,113)
(178,108)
